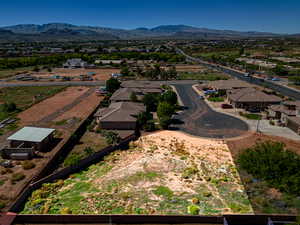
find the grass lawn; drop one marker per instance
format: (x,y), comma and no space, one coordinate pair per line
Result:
(23,97)
(251,116)
(203,76)
(89,143)
(215,99)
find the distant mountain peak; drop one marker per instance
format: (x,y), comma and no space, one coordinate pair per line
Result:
(93,32)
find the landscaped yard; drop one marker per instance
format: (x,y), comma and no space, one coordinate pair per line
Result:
(251,116)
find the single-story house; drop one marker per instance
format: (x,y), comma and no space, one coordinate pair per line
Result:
(119,116)
(286,109)
(75,63)
(251,98)
(123,94)
(24,143)
(142,84)
(230,84)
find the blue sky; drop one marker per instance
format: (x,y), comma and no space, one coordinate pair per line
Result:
(259,15)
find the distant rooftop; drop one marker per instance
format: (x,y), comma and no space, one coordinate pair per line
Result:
(32,134)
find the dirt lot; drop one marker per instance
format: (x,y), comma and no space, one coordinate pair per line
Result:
(101,74)
(190,68)
(45,108)
(237,144)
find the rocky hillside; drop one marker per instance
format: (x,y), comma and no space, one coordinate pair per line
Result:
(163,173)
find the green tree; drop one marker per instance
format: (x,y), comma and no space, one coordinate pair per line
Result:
(125,71)
(170,97)
(165,109)
(165,121)
(112,85)
(133,97)
(143,118)
(280,70)
(151,102)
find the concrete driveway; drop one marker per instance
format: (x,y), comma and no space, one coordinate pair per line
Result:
(200,120)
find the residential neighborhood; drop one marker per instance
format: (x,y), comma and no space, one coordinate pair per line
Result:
(121,121)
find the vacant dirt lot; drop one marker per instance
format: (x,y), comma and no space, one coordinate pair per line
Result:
(45,108)
(190,68)
(236,145)
(83,109)
(100,74)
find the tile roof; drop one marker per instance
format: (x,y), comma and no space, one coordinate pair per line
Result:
(120,111)
(251,95)
(229,84)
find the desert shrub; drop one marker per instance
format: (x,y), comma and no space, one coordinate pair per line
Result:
(189,172)
(111,137)
(27,165)
(72,159)
(272,162)
(163,191)
(2,205)
(89,151)
(5,171)
(17,177)
(149,126)
(133,97)
(193,209)
(165,122)
(271,122)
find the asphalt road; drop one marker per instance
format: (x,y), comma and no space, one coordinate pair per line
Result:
(276,86)
(200,120)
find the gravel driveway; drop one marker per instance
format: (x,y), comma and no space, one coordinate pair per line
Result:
(199,119)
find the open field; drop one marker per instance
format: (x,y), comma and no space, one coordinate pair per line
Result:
(12,72)
(163,173)
(100,74)
(190,68)
(24,97)
(45,108)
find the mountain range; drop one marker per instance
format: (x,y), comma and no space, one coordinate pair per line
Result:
(69,32)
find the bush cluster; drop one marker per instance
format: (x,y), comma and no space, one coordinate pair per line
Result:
(272,162)
(27,165)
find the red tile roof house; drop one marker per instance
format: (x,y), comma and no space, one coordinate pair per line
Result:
(251,98)
(119,116)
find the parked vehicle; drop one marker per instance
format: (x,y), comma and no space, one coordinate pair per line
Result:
(201,97)
(275,79)
(226,106)
(208,92)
